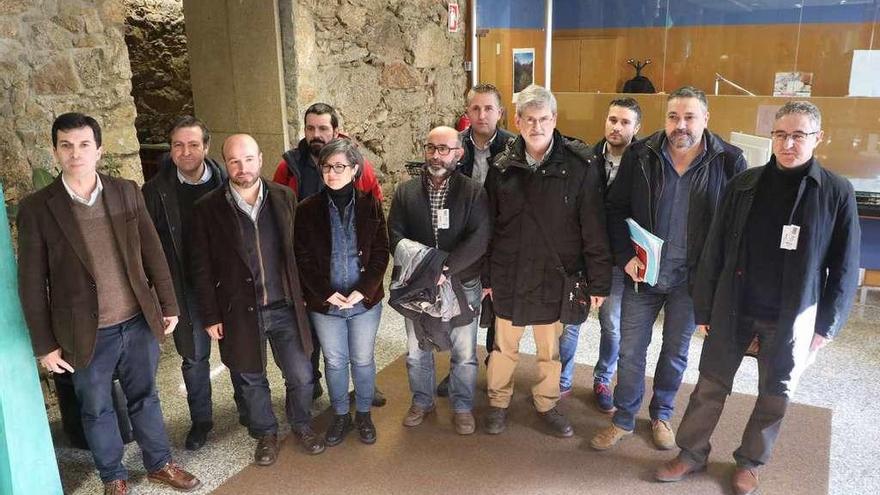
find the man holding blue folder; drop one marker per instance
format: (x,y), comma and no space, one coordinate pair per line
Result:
(670,184)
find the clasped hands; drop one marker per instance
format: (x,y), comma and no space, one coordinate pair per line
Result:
(343,302)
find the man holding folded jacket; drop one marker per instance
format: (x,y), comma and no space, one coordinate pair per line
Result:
(670,184)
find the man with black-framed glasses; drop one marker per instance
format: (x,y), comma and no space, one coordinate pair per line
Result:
(778,272)
(448,211)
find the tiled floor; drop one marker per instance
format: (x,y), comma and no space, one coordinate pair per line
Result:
(845,378)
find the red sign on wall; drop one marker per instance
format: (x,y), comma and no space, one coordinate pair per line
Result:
(454,18)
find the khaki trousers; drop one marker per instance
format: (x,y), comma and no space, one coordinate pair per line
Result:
(505,355)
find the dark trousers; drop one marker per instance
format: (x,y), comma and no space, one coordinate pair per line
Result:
(197,373)
(707,403)
(130,350)
(278,326)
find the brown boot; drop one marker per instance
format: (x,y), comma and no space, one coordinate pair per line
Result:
(416,415)
(745,481)
(677,469)
(267,450)
(176,477)
(116,487)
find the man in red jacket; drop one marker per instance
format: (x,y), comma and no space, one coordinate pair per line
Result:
(298,167)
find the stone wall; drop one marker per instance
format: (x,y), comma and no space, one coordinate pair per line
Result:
(389,66)
(159,64)
(55,57)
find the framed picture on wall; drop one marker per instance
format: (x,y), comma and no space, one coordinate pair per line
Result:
(793,84)
(523,69)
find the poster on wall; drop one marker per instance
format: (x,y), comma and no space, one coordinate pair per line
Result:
(523,69)
(863,80)
(453,17)
(793,84)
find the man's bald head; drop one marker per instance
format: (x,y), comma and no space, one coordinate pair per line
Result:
(442,151)
(243,160)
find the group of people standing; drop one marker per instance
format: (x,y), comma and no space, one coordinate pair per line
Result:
(513,231)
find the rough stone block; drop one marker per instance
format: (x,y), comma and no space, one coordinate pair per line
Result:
(398,75)
(56,76)
(432,48)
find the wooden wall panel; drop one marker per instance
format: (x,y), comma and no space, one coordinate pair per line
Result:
(496,60)
(852,127)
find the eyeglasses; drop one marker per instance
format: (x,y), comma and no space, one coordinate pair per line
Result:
(796,136)
(337,167)
(532,122)
(442,149)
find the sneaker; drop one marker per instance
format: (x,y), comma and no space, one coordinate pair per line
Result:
(564,392)
(175,476)
(664,437)
(339,428)
(559,424)
(745,481)
(464,422)
(443,387)
(677,469)
(496,420)
(416,415)
(366,430)
(608,437)
(604,397)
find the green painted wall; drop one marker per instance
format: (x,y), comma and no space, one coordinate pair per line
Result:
(27,456)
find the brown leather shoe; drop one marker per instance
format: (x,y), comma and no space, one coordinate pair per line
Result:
(311,442)
(266,452)
(745,481)
(176,477)
(464,422)
(116,487)
(677,469)
(416,415)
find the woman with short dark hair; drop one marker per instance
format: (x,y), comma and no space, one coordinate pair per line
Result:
(342,252)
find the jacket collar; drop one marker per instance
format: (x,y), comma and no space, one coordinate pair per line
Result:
(515,153)
(166,177)
(713,142)
(62,210)
(814,173)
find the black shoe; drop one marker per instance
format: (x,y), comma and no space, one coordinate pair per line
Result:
(267,450)
(244,421)
(496,420)
(365,427)
(559,424)
(339,428)
(197,435)
(310,441)
(378,398)
(317,391)
(443,388)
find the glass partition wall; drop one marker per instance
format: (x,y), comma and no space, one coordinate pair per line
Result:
(753,54)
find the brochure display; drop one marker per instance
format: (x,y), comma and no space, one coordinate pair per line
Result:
(648,249)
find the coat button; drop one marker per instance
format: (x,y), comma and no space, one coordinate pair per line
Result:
(563,172)
(250,308)
(248,280)
(360,253)
(94,314)
(363,269)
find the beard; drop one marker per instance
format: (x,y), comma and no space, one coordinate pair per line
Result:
(682,139)
(439,169)
(315,146)
(245,181)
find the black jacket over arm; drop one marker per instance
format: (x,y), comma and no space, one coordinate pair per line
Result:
(469,226)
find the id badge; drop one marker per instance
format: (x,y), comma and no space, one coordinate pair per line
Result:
(443,218)
(790,235)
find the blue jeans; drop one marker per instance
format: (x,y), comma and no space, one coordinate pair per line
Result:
(131,350)
(609,340)
(639,310)
(278,326)
(197,372)
(349,340)
(463,360)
